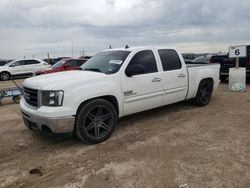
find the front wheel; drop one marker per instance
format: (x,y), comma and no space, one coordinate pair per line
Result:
(204,93)
(95,121)
(16,99)
(5,76)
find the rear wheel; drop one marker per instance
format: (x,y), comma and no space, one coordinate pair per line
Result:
(204,93)
(95,121)
(5,76)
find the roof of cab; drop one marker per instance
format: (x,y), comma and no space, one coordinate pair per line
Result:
(136,48)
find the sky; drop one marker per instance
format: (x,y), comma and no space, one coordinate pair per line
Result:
(38,27)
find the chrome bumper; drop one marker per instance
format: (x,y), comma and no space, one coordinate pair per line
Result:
(49,125)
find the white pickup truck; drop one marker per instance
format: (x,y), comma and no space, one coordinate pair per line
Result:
(112,84)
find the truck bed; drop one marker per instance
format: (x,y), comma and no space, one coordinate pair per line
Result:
(198,65)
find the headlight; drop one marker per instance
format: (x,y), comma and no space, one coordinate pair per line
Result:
(52,98)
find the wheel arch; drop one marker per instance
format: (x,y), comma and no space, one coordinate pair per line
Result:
(205,79)
(110,98)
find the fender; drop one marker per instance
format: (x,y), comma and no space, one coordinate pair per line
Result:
(94,90)
(203,74)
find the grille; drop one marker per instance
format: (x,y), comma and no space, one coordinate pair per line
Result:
(31,96)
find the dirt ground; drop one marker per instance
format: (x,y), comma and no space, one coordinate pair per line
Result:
(179,146)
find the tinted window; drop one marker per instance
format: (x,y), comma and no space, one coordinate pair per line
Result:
(58,64)
(30,62)
(75,63)
(18,63)
(170,60)
(3,63)
(71,63)
(146,60)
(80,62)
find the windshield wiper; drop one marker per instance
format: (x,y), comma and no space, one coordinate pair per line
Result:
(92,69)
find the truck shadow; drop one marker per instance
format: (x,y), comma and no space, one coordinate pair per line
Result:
(125,122)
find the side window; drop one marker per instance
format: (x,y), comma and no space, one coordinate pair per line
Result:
(30,62)
(71,63)
(170,60)
(18,63)
(146,60)
(80,63)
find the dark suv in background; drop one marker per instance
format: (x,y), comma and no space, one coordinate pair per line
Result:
(226,63)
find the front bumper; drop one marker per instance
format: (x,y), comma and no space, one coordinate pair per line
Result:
(49,120)
(49,125)
(41,122)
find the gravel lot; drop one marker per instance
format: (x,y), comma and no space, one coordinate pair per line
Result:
(175,146)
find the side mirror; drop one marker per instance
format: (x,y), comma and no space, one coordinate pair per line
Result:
(134,70)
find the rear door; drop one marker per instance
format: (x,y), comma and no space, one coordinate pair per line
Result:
(145,90)
(174,75)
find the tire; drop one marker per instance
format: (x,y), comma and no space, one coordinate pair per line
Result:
(16,99)
(204,93)
(5,76)
(95,121)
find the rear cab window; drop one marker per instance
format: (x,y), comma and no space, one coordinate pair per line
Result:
(170,60)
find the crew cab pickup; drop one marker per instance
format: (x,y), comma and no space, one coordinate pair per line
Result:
(112,84)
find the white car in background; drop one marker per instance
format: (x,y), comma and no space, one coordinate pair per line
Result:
(22,68)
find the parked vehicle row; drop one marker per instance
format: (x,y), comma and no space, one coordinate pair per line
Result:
(63,65)
(21,68)
(112,84)
(30,67)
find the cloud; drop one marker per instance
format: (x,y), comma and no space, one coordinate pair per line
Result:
(36,27)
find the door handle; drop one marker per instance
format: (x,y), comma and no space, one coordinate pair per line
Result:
(156,80)
(181,75)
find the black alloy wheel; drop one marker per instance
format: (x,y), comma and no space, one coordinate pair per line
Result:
(204,93)
(96,121)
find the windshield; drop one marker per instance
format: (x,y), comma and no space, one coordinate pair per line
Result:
(108,62)
(58,64)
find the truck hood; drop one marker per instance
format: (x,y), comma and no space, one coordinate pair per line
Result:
(61,80)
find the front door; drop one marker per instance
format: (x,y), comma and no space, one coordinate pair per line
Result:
(143,90)
(17,67)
